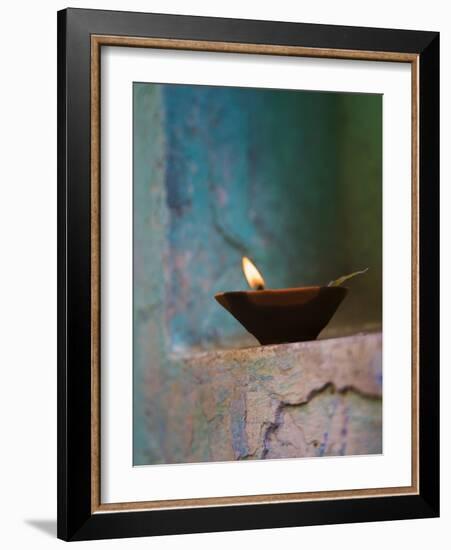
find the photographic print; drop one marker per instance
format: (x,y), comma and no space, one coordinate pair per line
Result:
(257,274)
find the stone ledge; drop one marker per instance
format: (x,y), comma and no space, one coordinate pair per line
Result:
(340,361)
(320,398)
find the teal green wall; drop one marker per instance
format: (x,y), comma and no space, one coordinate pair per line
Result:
(291,179)
(360,181)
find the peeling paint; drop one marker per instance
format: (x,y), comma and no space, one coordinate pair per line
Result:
(325,401)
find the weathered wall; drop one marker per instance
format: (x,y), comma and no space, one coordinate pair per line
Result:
(244,177)
(222,173)
(294,400)
(291,179)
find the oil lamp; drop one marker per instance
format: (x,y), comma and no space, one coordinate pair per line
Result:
(283,315)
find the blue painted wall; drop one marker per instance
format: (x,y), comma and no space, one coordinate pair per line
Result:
(291,179)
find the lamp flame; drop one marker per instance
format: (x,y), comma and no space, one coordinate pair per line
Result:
(253,277)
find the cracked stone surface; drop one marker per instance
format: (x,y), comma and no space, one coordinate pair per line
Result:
(321,398)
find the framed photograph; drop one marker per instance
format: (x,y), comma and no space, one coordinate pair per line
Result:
(248,274)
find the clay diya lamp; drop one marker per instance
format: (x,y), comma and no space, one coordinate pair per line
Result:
(284,315)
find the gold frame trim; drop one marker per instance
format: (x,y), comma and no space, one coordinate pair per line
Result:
(97,41)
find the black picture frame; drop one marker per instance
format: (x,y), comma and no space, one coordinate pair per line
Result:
(76,521)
